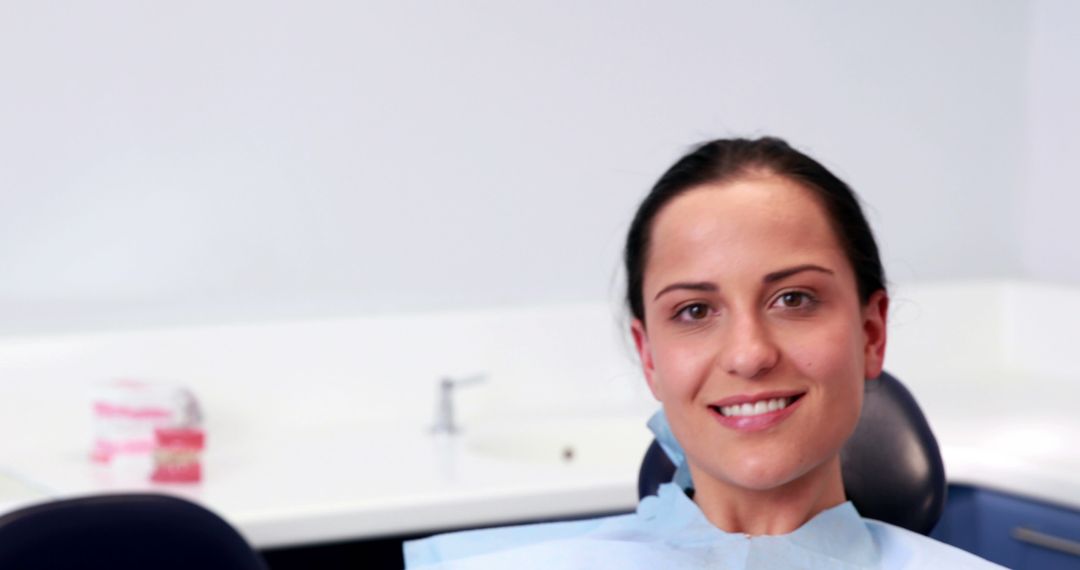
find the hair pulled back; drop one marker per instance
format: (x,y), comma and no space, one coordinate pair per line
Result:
(728,160)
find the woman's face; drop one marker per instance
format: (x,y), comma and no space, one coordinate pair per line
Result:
(755,339)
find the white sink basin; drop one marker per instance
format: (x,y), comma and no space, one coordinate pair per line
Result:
(615,442)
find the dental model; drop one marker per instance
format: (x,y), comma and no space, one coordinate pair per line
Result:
(177,455)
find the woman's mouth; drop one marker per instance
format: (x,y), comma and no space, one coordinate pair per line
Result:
(755,408)
(756,413)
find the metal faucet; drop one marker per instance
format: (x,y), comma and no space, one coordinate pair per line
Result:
(444,407)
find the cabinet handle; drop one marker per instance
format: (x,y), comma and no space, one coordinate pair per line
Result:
(1044,540)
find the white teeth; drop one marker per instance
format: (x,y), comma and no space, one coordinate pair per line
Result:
(756,408)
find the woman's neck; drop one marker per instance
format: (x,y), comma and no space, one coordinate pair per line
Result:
(772,511)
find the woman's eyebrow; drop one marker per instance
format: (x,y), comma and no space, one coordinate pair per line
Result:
(694,286)
(785,273)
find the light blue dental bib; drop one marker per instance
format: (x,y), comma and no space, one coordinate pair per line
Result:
(669,531)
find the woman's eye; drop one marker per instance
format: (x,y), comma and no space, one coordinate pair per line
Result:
(795,300)
(693,312)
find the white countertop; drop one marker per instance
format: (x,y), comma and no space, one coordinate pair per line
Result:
(359,462)
(293,487)
(296,486)
(1017,435)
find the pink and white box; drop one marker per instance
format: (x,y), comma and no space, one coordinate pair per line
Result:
(141,427)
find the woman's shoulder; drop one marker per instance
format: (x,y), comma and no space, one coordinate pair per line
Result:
(901,548)
(657,518)
(468,544)
(669,531)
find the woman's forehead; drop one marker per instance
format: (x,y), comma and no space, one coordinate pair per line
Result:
(741,228)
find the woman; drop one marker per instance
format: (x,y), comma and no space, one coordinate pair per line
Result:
(759,310)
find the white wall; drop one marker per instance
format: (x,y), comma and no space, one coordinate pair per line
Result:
(224,160)
(1051,213)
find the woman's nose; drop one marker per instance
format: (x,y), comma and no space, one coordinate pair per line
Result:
(748,350)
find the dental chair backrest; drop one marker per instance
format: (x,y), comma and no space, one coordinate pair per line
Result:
(891,466)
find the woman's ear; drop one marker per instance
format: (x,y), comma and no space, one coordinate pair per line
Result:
(641,342)
(874,318)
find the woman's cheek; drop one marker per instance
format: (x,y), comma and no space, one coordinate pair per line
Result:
(683,367)
(826,349)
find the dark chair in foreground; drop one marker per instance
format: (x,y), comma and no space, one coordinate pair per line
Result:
(891,466)
(121,532)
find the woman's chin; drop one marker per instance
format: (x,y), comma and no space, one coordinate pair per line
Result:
(756,475)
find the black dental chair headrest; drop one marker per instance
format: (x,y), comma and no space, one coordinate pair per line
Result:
(122,532)
(892,465)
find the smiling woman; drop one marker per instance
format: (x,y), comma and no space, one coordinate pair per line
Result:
(751,300)
(759,312)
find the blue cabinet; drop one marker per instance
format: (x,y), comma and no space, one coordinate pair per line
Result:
(1012,531)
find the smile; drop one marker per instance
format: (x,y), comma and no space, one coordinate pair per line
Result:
(757,412)
(755,408)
